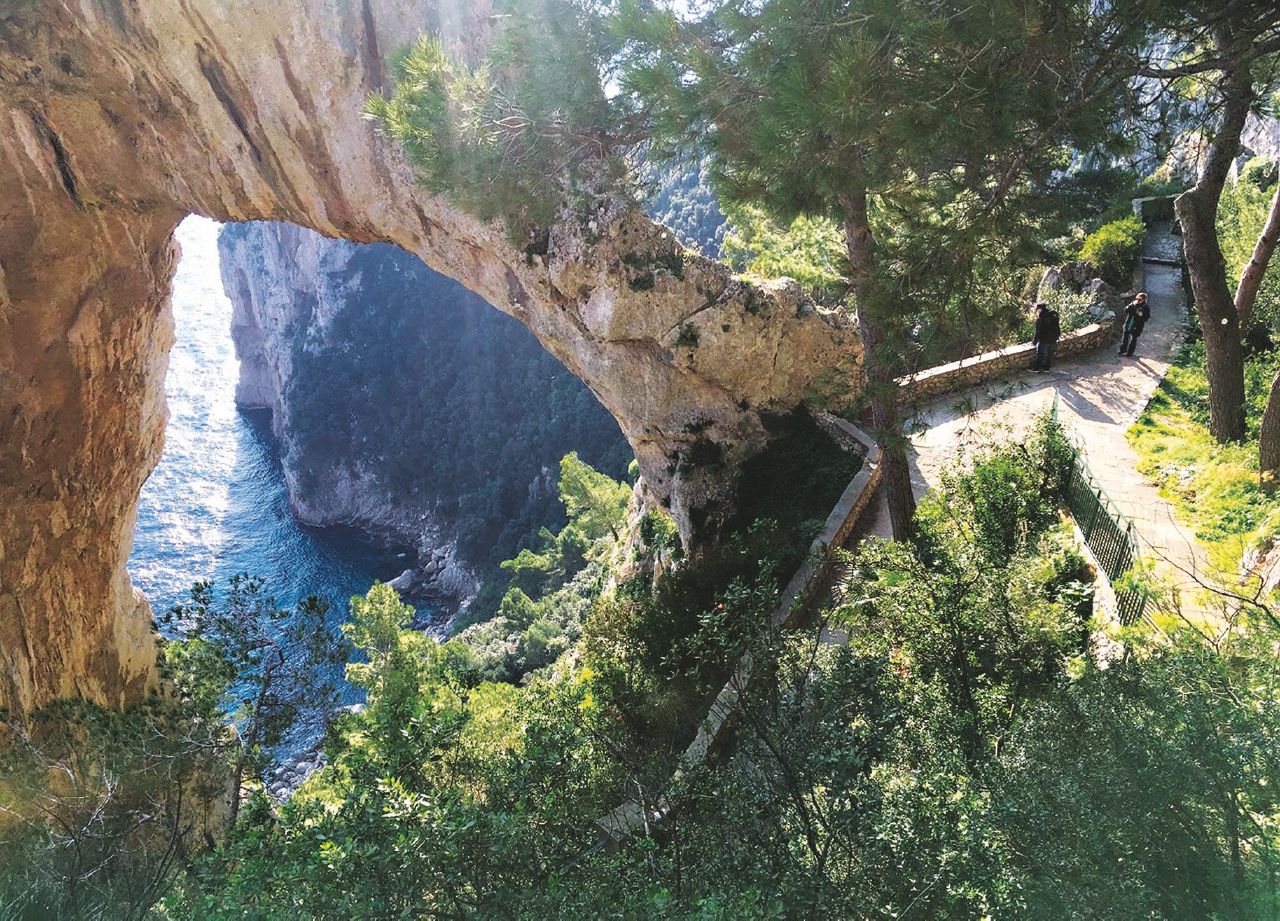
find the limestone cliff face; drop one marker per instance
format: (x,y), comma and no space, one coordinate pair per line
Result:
(279,277)
(442,421)
(116,119)
(286,285)
(1262,136)
(71,383)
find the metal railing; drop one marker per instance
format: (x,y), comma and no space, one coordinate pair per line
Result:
(1108,534)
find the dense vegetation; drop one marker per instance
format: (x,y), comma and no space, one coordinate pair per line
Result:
(100,809)
(968,752)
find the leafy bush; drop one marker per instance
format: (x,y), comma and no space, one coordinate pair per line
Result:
(994,597)
(552,589)
(1073,309)
(1113,250)
(99,808)
(658,532)
(1074,312)
(446,794)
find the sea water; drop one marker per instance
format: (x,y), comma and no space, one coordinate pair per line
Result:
(216,504)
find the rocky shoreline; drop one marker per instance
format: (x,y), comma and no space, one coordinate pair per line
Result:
(403,405)
(285,285)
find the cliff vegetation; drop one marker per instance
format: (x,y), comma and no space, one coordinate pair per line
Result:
(962,752)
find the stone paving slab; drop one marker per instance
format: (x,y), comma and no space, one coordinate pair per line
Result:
(1099,395)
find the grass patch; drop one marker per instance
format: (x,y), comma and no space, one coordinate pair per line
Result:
(1213,487)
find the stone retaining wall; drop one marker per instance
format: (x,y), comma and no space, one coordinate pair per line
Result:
(805,588)
(977,369)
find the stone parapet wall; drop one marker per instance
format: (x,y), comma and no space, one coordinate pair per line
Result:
(978,369)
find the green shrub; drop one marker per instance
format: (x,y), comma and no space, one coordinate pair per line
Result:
(1073,309)
(1113,250)
(688,338)
(658,531)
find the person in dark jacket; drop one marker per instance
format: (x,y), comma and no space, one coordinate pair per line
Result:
(1136,315)
(1048,329)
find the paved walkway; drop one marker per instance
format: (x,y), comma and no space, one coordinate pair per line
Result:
(1099,397)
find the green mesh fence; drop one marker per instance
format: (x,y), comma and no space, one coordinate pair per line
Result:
(1107,532)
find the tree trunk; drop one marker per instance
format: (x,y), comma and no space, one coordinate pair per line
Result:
(1197,211)
(1251,277)
(237,782)
(1246,295)
(882,385)
(1269,438)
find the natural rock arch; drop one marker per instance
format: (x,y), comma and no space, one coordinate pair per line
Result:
(118,118)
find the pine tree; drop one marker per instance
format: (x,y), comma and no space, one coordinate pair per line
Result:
(924,129)
(596,504)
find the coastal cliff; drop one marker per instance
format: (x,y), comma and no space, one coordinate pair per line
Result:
(120,119)
(403,404)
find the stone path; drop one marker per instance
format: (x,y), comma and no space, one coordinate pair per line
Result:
(1099,397)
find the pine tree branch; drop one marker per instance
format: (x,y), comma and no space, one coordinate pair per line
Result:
(1220,62)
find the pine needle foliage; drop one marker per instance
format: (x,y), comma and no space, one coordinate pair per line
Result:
(516,134)
(958,119)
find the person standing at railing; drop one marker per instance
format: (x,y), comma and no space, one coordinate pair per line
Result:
(1048,329)
(1136,315)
